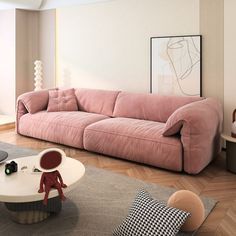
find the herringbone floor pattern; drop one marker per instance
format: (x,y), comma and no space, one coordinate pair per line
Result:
(214,181)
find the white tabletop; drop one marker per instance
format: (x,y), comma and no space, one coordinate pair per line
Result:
(23,185)
(228,138)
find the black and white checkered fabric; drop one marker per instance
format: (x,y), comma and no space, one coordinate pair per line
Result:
(149,217)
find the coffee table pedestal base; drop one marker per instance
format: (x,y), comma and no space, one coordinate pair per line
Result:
(29,217)
(33,212)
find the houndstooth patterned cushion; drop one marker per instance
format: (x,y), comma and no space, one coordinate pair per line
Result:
(149,217)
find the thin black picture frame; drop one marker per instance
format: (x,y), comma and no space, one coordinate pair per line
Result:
(175,36)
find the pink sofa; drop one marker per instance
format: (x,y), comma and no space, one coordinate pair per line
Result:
(175,133)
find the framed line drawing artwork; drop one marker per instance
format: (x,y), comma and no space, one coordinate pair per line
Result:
(176,65)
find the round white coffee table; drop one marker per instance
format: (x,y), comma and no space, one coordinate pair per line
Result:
(19,191)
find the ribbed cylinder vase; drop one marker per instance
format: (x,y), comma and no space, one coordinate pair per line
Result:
(38,73)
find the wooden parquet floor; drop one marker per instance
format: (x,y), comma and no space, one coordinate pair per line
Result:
(214,181)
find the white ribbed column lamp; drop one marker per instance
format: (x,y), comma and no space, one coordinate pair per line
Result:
(38,68)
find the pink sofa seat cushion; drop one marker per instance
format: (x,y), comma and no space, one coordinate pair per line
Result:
(96,101)
(135,140)
(149,106)
(62,100)
(59,127)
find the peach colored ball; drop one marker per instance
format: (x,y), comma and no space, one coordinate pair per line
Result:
(190,202)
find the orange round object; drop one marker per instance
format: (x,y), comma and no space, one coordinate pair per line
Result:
(190,202)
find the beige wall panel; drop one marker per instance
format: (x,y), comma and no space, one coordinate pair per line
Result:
(107,45)
(230,64)
(26,49)
(47,46)
(212,30)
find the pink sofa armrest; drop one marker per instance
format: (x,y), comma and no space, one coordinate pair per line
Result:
(30,102)
(200,125)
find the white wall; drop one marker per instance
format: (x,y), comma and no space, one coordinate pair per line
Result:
(52,4)
(7,59)
(22,4)
(229,62)
(107,45)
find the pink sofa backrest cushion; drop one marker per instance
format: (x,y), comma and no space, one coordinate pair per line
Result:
(62,100)
(96,101)
(149,106)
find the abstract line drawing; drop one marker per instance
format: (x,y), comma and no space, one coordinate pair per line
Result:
(176,65)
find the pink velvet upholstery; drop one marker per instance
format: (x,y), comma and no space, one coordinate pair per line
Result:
(136,140)
(137,135)
(20,111)
(59,127)
(96,101)
(31,102)
(34,101)
(149,106)
(62,100)
(200,126)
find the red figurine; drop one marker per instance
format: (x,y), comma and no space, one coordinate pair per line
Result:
(51,177)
